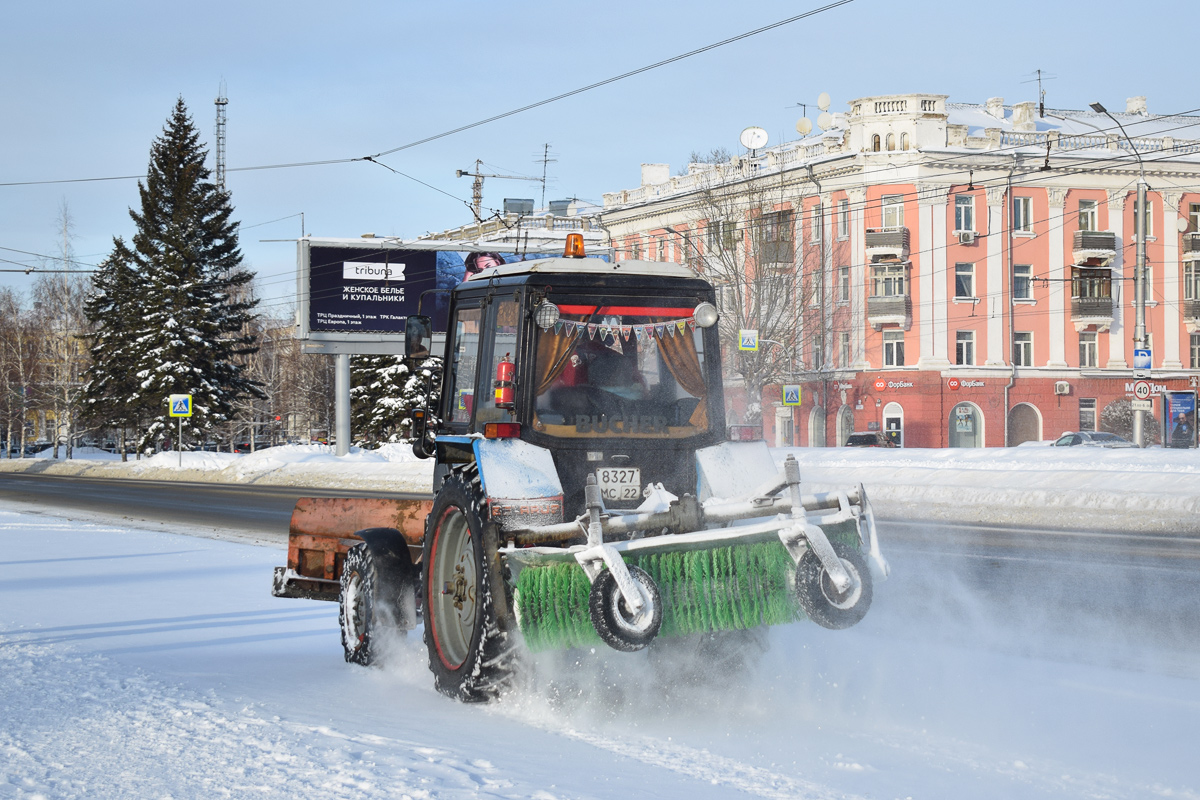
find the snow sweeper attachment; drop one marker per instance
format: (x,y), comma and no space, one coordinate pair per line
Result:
(751,550)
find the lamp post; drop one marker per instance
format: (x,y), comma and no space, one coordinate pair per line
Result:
(1139,272)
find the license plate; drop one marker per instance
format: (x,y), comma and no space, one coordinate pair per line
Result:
(619,483)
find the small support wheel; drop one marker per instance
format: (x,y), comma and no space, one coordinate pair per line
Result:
(821,600)
(612,618)
(358,606)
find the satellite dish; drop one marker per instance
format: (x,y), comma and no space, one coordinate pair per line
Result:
(1182,224)
(823,101)
(803,126)
(825,121)
(753,138)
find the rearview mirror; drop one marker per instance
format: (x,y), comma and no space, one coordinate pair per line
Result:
(418,338)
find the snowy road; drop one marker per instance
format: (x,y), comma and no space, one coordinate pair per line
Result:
(136,663)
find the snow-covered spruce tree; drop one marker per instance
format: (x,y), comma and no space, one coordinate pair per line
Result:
(383,392)
(193,318)
(113,310)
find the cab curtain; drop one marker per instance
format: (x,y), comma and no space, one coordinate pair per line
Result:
(552,358)
(679,353)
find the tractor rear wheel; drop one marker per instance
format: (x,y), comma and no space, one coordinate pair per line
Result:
(358,606)
(821,600)
(470,656)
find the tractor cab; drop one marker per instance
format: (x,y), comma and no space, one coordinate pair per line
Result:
(612,368)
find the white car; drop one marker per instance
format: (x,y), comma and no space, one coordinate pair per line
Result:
(1092,439)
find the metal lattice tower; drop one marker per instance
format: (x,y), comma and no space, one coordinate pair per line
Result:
(221,102)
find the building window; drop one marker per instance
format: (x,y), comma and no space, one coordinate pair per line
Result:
(888,280)
(1087,215)
(964,348)
(1087,413)
(817,223)
(891,141)
(843,220)
(1191,281)
(893,211)
(893,348)
(1194,218)
(1195,340)
(1091,284)
(818,352)
(875,143)
(1149,217)
(1087,349)
(964,281)
(843,284)
(635,249)
(662,249)
(904,141)
(844,349)
(1022,282)
(1022,214)
(818,287)
(722,235)
(1023,349)
(964,212)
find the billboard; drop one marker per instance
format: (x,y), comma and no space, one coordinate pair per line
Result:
(1179,419)
(359,292)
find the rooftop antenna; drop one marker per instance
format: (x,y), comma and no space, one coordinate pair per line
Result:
(477,185)
(221,102)
(1041,75)
(545,161)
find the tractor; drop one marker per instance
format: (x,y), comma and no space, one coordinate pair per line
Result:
(584,490)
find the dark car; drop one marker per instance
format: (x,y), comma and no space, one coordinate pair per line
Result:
(873,439)
(1092,439)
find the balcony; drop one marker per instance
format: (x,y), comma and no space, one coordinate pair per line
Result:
(1095,248)
(1088,311)
(1191,247)
(895,309)
(1191,310)
(887,243)
(777,252)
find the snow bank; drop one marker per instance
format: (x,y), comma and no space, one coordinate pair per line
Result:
(392,467)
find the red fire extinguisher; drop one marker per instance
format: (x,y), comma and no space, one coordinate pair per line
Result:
(504,383)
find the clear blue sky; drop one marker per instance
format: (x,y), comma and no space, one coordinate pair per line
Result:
(87,86)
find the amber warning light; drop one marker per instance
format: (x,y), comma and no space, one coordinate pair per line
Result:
(574,247)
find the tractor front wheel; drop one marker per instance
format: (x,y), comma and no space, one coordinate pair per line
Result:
(470,656)
(821,600)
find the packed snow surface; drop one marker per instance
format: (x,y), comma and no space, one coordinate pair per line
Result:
(148,664)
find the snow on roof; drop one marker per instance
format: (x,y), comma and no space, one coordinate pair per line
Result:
(590,266)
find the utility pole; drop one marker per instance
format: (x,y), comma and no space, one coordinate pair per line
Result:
(477,186)
(1139,270)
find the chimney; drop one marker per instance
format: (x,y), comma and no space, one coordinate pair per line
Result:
(1136,105)
(995,107)
(654,174)
(1023,114)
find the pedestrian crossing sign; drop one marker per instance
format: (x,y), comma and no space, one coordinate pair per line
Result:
(181,405)
(791,395)
(748,339)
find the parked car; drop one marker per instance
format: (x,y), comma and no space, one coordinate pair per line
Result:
(872,439)
(1092,439)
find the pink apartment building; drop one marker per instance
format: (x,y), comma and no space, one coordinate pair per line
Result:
(960,275)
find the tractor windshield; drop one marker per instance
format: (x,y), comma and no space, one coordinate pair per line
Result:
(628,371)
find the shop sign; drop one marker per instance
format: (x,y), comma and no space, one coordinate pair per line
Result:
(880,384)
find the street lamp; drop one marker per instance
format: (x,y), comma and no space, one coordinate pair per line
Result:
(1139,273)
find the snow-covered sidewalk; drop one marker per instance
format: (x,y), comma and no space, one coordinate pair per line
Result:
(1136,491)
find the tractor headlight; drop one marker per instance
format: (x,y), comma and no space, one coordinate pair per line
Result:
(705,315)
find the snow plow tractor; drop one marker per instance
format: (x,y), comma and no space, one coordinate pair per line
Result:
(584,491)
